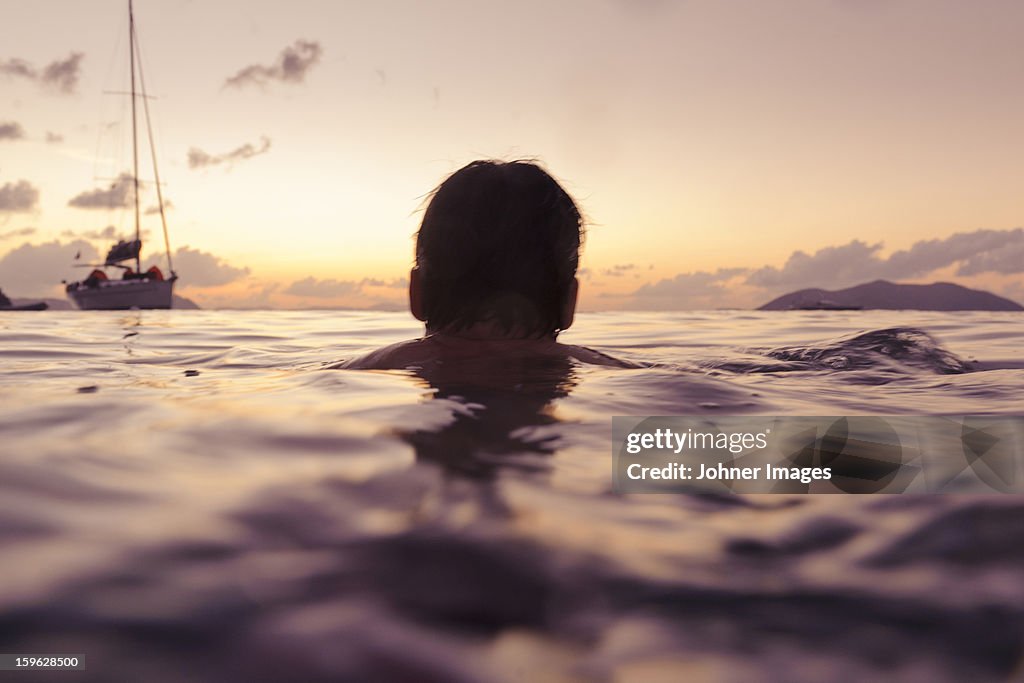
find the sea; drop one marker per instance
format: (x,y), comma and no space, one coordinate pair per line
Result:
(199,496)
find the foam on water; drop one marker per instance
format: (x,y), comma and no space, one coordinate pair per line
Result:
(218,506)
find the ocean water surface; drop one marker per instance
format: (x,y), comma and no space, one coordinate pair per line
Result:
(194,495)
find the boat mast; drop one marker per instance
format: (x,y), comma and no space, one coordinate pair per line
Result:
(152,154)
(135,137)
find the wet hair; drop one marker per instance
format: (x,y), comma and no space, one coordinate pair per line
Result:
(499,242)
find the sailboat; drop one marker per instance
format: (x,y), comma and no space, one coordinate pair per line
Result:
(134,288)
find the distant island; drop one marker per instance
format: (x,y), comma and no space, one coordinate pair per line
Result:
(882,294)
(180,302)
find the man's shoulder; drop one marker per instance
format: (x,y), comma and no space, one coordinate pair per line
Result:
(418,353)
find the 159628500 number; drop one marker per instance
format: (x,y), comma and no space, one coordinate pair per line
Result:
(11,662)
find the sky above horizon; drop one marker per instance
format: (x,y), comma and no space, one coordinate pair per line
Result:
(723,152)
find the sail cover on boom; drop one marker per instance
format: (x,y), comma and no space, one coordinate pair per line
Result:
(123,251)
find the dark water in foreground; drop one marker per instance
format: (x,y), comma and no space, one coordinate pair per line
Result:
(189,495)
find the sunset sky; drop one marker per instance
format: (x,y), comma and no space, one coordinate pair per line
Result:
(723,152)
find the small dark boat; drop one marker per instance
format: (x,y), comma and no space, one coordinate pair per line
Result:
(8,305)
(37,306)
(825,305)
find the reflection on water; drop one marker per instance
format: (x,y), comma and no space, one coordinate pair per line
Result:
(189,495)
(505,418)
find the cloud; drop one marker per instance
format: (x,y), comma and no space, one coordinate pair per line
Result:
(395,283)
(61,75)
(253,294)
(928,255)
(700,289)
(291,66)
(1008,259)
(835,267)
(330,288)
(18,196)
(155,209)
(37,269)
(202,269)
(18,67)
(10,130)
(619,270)
(107,233)
(118,195)
(197,158)
(54,138)
(858,261)
(21,232)
(322,289)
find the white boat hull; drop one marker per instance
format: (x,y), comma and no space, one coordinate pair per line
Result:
(119,295)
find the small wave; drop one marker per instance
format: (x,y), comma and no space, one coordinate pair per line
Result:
(891,349)
(906,346)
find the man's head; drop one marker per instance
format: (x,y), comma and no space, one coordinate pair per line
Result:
(499,244)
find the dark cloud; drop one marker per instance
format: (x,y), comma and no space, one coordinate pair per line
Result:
(54,138)
(18,196)
(11,130)
(119,195)
(60,75)
(63,75)
(291,66)
(202,269)
(19,68)
(21,232)
(322,289)
(197,158)
(37,269)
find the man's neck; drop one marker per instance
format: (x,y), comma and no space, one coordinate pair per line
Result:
(488,331)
